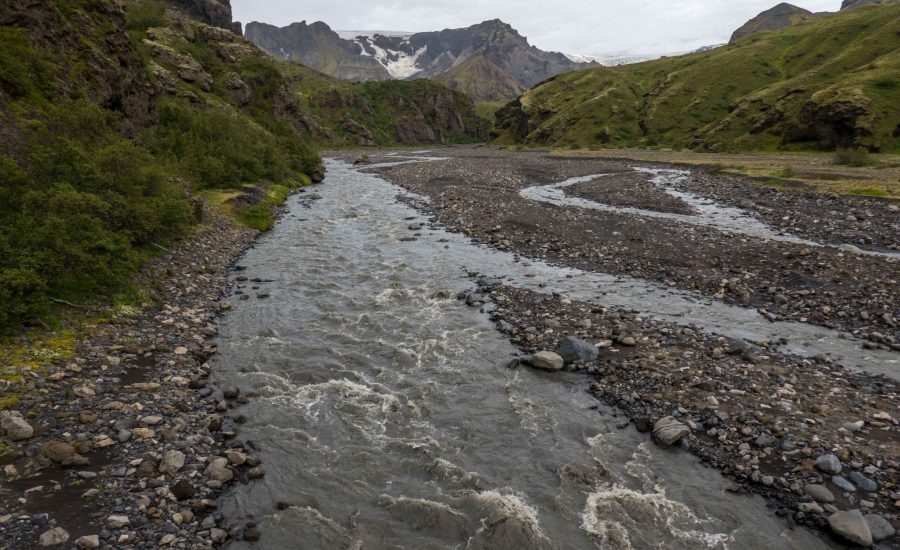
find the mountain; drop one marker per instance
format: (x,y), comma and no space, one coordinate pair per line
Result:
(490,60)
(827,82)
(848,4)
(781,16)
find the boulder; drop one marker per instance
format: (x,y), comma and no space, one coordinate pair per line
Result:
(852,527)
(546,360)
(668,431)
(574,349)
(14,427)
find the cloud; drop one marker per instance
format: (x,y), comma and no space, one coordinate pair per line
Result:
(574,26)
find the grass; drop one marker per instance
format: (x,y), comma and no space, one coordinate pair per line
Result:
(775,91)
(852,157)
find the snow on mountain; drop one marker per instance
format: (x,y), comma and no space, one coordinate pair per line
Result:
(399,63)
(610,60)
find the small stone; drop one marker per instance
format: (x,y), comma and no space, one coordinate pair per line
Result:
(183,490)
(574,349)
(143,433)
(843,484)
(53,537)
(880,528)
(172,462)
(117,522)
(668,431)
(852,527)
(546,360)
(151,420)
(56,451)
(236,457)
(820,493)
(863,482)
(88,541)
(829,464)
(218,470)
(628,341)
(256,472)
(181,350)
(231,392)
(252,534)
(167,539)
(218,535)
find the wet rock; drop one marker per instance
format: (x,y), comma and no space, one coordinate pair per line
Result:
(183,490)
(830,464)
(252,534)
(14,427)
(172,462)
(820,493)
(668,431)
(880,528)
(231,392)
(256,472)
(546,360)
(218,470)
(574,349)
(53,537)
(218,535)
(852,527)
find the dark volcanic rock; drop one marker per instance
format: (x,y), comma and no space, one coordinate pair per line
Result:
(781,16)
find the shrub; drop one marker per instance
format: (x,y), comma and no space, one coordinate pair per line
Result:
(141,15)
(851,157)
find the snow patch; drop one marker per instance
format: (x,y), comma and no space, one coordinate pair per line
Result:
(609,60)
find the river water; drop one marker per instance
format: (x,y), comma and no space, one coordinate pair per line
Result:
(386,417)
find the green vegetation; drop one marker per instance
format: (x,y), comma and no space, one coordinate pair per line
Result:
(871,192)
(852,157)
(96,175)
(825,83)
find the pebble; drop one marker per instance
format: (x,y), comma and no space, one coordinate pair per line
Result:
(88,541)
(14,427)
(843,484)
(117,522)
(172,462)
(53,537)
(546,360)
(880,528)
(830,464)
(863,482)
(668,431)
(820,493)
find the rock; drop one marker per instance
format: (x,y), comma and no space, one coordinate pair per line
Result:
(218,470)
(829,464)
(863,482)
(574,349)
(668,431)
(88,541)
(843,484)
(252,534)
(218,535)
(53,537)
(14,427)
(172,462)
(231,392)
(57,451)
(236,457)
(181,350)
(143,433)
(183,490)
(256,472)
(546,360)
(117,522)
(880,528)
(151,420)
(820,493)
(852,527)
(628,341)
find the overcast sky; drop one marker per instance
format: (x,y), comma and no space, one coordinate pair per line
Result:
(570,26)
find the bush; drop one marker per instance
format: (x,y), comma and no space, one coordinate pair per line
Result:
(852,157)
(141,15)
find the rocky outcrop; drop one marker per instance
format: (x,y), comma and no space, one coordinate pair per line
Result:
(212,12)
(849,4)
(781,16)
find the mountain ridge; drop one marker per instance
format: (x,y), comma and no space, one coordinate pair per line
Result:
(506,56)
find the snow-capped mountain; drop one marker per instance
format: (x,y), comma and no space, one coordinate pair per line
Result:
(490,60)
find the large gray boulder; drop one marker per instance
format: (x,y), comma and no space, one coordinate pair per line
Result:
(574,349)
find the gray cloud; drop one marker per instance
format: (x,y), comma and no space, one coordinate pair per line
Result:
(574,26)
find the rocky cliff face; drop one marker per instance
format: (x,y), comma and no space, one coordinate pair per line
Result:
(473,60)
(319,47)
(781,16)
(212,12)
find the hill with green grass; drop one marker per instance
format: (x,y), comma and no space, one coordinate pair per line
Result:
(118,118)
(827,82)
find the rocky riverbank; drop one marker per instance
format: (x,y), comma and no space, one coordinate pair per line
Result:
(476,192)
(819,442)
(123,443)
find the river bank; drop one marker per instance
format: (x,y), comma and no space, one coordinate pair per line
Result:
(120,440)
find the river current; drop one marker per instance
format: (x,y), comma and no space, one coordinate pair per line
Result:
(386,416)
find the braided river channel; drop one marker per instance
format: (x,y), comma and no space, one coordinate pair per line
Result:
(386,416)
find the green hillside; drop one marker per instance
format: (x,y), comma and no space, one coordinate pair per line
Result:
(828,82)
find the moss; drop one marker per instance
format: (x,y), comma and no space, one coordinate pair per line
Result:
(871,192)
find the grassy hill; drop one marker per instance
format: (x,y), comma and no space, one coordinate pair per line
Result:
(828,82)
(118,119)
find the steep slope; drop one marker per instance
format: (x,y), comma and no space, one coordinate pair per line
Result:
(781,16)
(848,4)
(827,82)
(470,59)
(480,77)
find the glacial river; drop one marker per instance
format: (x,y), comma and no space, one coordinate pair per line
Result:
(386,416)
